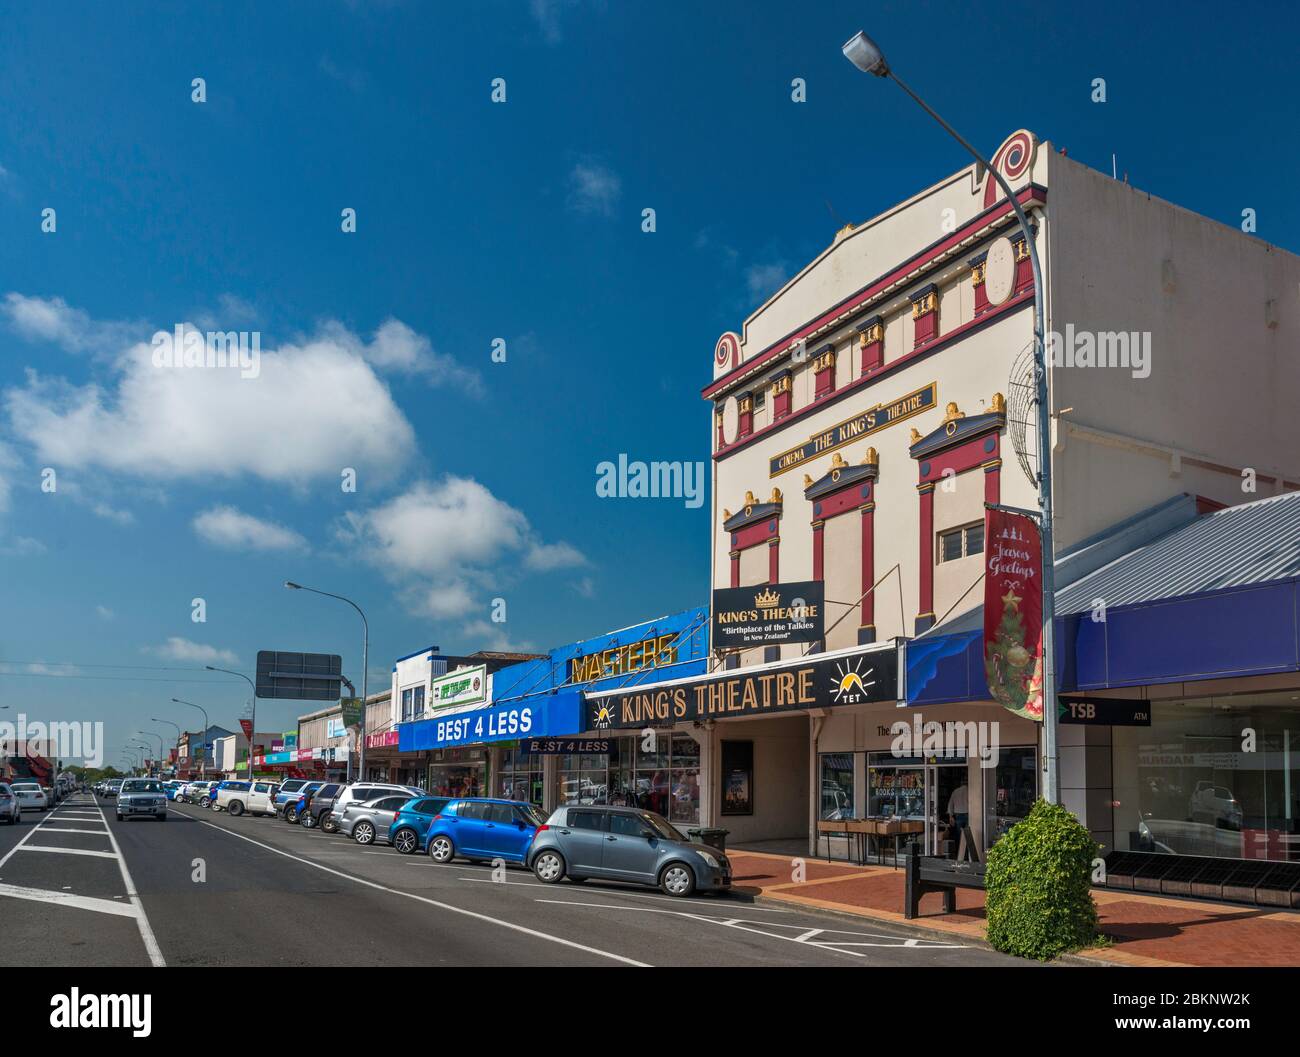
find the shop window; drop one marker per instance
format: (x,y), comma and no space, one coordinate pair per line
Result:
(737,777)
(836,785)
(520,777)
(895,787)
(1184,786)
(961,542)
(665,778)
(1012,788)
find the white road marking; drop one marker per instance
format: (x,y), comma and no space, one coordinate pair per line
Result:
(70,851)
(622,894)
(41,895)
(432,902)
(142,920)
(742,925)
(93,832)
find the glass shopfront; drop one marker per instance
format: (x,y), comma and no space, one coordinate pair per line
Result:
(664,779)
(1010,789)
(1215,776)
(836,785)
(520,776)
(458,772)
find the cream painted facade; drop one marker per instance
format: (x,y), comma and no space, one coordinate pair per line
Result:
(1215,307)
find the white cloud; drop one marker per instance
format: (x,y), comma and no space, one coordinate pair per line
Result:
(546,13)
(396,347)
(225,526)
(489,636)
(179,649)
(52,319)
(594,189)
(104,613)
(22,547)
(439,539)
(313,409)
(763,280)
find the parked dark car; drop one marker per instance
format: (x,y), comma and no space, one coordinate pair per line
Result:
(625,844)
(314,807)
(294,805)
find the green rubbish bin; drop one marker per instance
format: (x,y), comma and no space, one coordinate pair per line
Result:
(714,838)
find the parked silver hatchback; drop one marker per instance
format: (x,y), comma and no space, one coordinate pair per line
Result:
(625,844)
(369,822)
(11,808)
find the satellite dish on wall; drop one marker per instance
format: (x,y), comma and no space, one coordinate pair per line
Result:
(1000,271)
(730,420)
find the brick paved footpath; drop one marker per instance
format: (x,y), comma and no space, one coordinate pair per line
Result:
(1144,929)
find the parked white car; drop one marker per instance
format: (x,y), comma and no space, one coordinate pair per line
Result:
(32,796)
(11,808)
(257,799)
(364,792)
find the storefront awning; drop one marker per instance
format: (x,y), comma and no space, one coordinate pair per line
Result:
(544,715)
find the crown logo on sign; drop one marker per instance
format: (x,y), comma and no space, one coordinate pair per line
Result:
(768,599)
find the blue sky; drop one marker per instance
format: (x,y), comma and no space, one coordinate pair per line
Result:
(475,221)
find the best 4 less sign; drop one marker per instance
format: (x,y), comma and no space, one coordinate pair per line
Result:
(466,686)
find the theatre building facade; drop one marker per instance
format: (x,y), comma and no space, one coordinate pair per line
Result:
(865,417)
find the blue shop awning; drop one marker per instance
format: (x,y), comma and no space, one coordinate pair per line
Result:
(546,715)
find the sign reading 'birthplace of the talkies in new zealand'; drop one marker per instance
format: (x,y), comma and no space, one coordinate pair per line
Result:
(768,615)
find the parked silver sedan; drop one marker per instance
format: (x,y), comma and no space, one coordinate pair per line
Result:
(11,808)
(367,823)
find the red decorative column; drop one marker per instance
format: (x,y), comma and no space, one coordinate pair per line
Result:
(977,283)
(819,550)
(824,373)
(925,315)
(735,568)
(867,628)
(746,407)
(925,618)
(1024,267)
(993,481)
(781,396)
(718,424)
(871,341)
(774,560)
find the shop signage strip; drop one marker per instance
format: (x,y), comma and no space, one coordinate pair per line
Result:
(552,714)
(769,614)
(567,746)
(1105,712)
(849,679)
(860,425)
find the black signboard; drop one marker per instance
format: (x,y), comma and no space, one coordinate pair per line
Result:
(848,679)
(1105,712)
(566,746)
(299,676)
(768,615)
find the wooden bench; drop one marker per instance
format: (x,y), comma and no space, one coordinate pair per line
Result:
(926,874)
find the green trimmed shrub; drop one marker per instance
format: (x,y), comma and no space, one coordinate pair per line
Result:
(1039,903)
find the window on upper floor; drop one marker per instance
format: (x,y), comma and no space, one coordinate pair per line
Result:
(961,542)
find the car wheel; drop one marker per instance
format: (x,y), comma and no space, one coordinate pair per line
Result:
(236,808)
(328,825)
(364,833)
(308,820)
(441,849)
(548,867)
(405,841)
(291,816)
(677,879)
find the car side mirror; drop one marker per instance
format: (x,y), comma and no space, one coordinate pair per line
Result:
(648,834)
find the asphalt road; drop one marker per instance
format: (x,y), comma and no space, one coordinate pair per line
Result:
(77,887)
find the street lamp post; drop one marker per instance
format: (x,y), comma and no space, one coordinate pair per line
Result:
(863,52)
(154,719)
(151,734)
(252,711)
(365,666)
(203,738)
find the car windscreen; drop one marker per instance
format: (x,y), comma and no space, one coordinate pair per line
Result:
(661,826)
(142,786)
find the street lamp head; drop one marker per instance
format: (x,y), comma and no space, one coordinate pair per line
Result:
(292,586)
(861,50)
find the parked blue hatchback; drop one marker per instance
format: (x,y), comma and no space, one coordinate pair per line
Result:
(409,831)
(483,829)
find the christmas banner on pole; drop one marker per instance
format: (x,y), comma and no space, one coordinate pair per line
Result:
(1013,612)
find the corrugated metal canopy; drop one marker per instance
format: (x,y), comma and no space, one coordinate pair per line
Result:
(1253,543)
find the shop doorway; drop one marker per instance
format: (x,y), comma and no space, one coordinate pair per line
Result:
(947,806)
